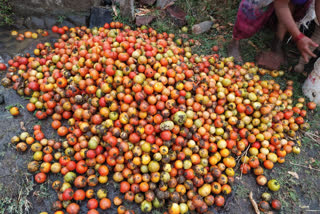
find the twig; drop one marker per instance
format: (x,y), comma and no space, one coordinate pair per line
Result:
(254,203)
(239,158)
(307,167)
(313,137)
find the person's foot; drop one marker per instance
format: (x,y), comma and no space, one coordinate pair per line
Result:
(270,60)
(234,50)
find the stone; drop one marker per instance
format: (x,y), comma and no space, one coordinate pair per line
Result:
(1,99)
(202,27)
(147,2)
(27,22)
(51,7)
(66,22)
(127,9)
(144,20)
(178,15)
(99,16)
(18,23)
(50,21)
(162,3)
(77,20)
(96,3)
(37,22)
(107,2)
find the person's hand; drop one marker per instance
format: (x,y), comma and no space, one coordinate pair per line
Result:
(304,45)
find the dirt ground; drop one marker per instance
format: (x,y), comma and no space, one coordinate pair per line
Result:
(299,176)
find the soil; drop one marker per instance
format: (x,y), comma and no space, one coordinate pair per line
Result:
(298,194)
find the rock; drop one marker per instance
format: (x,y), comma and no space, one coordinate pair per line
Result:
(18,23)
(50,21)
(1,99)
(144,20)
(65,22)
(147,2)
(78,20)
(37,22)
(96,3)
(178,15)
(202,27)
(107,2)
(127,9)
(99,16)
(162,3)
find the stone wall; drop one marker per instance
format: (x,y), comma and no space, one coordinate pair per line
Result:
(52,7)
(45,13)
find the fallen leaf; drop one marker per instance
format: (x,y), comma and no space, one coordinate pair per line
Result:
(252,44)
(312,160)
(142,12)
(22,126)
(294,174)
(114,10)
(184,36)
(168,5)
(197,43)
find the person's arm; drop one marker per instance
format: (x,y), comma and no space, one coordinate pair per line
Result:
(284,16)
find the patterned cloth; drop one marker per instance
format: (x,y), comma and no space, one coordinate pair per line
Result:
(254,14)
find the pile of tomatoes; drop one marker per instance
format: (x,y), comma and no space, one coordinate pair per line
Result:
(141,109)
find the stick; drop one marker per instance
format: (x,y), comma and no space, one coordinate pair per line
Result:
(254,203)
(307,167)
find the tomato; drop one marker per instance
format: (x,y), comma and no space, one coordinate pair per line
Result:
(215,48)
(67,195)
(310,105)
(261,180)
(92,203)
(276,204)
(3,67)
(105,204)
(14,111)
(40,177)
(73,208)
(124,186)
(273,185)
(55,29)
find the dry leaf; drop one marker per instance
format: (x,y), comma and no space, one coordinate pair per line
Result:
(184,36)
(312,160)
(142,12)
(294,174)
(114,10)
(197,43)
(168,5)
(22,126)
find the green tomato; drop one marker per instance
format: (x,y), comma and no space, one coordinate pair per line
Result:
(273,185)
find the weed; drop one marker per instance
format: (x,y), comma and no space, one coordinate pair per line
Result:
(6,14)
(61,19)
(12,203)
(8,107)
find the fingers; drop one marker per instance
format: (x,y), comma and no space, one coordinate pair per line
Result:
(309,52)
(305,57)
(312,43)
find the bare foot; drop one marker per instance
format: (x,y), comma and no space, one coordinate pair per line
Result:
(234,50)
(270,60)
